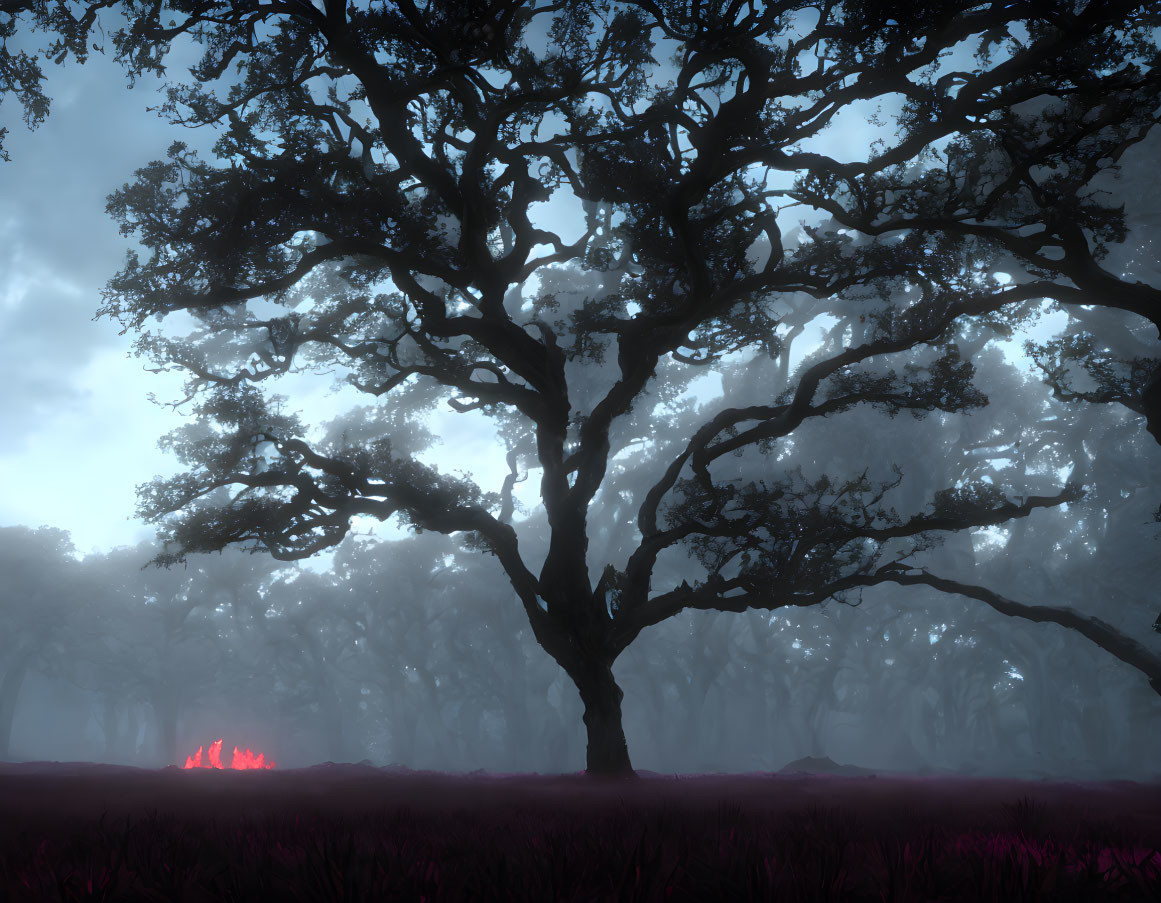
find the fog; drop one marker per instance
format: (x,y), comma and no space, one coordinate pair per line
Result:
(416,652)
(413,649)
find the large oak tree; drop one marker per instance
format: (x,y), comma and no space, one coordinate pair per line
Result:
(373,208)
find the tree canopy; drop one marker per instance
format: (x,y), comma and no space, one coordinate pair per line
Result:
(377,206)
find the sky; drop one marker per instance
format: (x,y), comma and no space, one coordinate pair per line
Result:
(78,431)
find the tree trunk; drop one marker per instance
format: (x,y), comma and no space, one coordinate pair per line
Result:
(333,719)
(133,716)
(607,754)
(111,728)
(1151,404)
(404,723)
(9,695)
(518,740)
(166,712)
(333,722)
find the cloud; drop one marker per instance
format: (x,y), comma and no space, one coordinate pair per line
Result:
(76,431)
(58,246)
(79,470)
(46,337)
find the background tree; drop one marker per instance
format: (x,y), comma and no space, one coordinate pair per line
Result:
(176,642)
(40,585)
(372,210)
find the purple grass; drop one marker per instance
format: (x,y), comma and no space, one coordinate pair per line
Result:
(77,832)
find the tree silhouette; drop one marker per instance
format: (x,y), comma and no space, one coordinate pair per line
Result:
(155,636)
(41,583)
(372,211)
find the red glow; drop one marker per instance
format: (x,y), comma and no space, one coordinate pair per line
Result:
(243,759)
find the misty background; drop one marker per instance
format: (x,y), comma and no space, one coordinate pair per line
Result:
(414,650)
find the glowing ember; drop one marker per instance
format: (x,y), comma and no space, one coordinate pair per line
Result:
(243,759)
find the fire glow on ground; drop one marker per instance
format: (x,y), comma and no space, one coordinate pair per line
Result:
(242,759)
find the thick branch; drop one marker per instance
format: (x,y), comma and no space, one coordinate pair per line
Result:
(746,591)
(1098,631)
